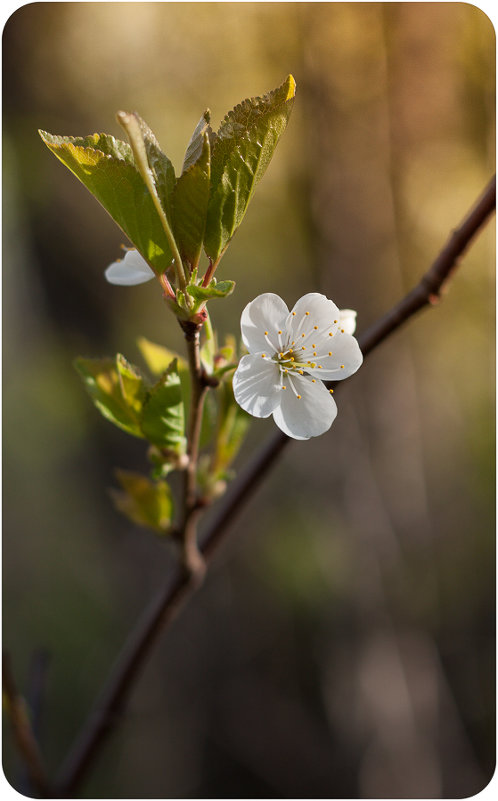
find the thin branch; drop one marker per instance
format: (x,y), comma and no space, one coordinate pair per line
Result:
(23,732)
(180,584)
(426,293)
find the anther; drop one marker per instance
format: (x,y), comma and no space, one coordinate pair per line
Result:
(293,314)
(315,327)
(342,367)
(330,353)
(298,397)
(330,334)
(313,364)
(307,314)
(266,333)
(283,386)
(331,391)
(279,332)
(303,335)
(263,355)
(319,366)
(336,321)
(313,380)
(342,330)
(301,372)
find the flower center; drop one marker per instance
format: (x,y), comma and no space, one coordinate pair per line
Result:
(310,345)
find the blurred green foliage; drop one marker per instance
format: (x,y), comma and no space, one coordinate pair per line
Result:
(360,661)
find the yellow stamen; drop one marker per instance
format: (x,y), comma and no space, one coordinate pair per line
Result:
(307,314)
(331,391)
(315,327)
(293,314)
(330,353)
(342,367)
(263,355)
(283,386)
(330,334)
(266,333)
(301,372)
(298,397)
(313,380)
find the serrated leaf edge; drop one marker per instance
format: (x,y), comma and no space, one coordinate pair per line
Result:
(63,140)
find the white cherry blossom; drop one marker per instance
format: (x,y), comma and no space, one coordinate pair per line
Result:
(289,355)
(129,271)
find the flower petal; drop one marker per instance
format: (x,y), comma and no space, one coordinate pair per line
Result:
(267,312)
(308,416)
(131,270)
(346,357)
(312,313)
(347,320)
(256,385)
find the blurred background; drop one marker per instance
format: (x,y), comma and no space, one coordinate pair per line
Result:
(343,645)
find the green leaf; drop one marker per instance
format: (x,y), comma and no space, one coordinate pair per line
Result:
(150,158)
(158,176)
(143,501)
(208,348)
(196,145)
(132,384)
(234,423)
(158,358)
(163,412)
(209,415)
(213,290)
(190,202)
(109,384)
(229,350)
(243,149)
(106,167)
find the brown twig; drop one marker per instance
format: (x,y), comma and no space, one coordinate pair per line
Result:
(181,584)
(23,732)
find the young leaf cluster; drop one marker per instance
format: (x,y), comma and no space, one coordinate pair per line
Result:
(155,409)
(170,219)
